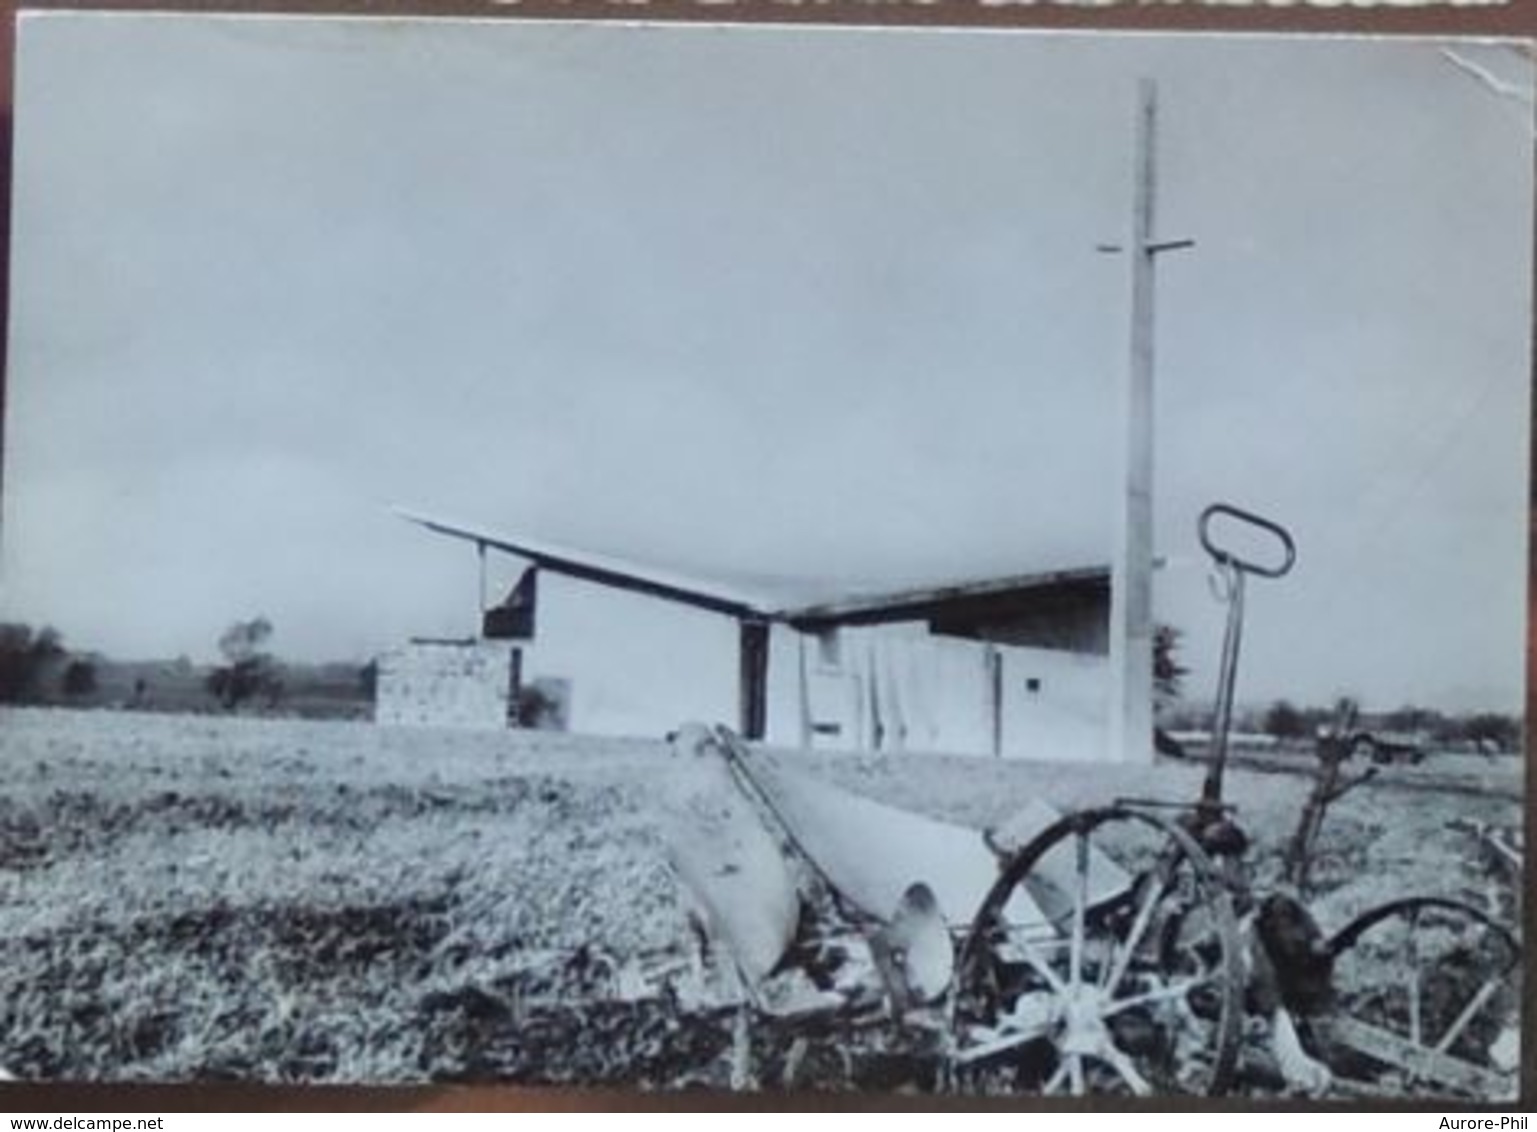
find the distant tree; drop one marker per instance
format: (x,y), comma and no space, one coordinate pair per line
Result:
(1285,721)
(15,661)
(48,644)
(1503,732)
(1185,719)
(79,679)
(1411,719)
(24,657)
(368,679)
(1168,674)
(250,671)
(244,639)
(1317,720)
(244,681)
(221,685)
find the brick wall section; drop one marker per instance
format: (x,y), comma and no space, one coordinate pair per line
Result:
(441,684)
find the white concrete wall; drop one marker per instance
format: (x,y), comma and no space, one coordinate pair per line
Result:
(899,688)
(1067,715)
(784,720)
(637,665)
(938,692)
(445,685)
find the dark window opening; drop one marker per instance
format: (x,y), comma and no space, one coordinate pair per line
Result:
(829,650)
(513,619)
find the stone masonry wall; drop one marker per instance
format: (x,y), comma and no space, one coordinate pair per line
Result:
(445,684)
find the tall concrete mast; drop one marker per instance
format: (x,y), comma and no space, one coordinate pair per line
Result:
(1131,580)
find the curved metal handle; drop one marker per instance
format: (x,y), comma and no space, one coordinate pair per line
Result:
(1227,557)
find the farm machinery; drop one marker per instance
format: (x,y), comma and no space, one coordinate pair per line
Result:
(1121,949)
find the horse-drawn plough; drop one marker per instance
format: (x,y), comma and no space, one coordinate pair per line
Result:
(1119,949)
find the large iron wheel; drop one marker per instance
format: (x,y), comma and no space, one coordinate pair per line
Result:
(1427,1001)
(1136,992)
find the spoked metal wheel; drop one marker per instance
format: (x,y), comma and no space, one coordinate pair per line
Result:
(1104,960)
(1427,1001)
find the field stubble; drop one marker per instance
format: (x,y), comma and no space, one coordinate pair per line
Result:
(191,897)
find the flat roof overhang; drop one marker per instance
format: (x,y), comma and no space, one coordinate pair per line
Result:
(989,597)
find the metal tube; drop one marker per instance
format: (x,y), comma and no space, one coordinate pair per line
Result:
(1211,789)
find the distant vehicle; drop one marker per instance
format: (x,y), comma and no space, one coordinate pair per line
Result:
(1388,747)
(1245,740)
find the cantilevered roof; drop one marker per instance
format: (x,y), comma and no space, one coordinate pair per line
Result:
(910,603)
(923,601)
(604,570)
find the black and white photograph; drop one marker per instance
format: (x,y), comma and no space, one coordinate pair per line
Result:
(765,557)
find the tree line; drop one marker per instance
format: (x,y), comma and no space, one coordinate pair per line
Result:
(32,660)
(1288,722)
(1285,720)
(1291,722)
(37,667)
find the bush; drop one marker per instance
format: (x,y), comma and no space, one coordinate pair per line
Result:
(250,671)
(24,657)
(79,679)
(1492,731)
(1285,721)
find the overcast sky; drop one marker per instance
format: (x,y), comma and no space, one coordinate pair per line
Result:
(760,304)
